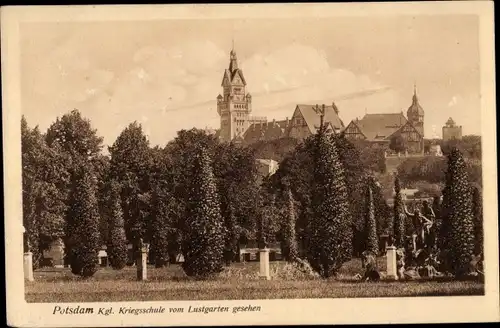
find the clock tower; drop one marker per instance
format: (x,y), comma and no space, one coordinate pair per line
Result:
(235,104)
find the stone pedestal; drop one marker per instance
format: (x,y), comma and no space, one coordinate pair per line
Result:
(141,264)
(28,266)
(264,264)
(392,273)
(57,253)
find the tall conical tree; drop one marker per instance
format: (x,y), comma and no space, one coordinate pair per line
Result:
(203,238)
(330,242)
(399,216)
(290,249)
(370,224)
(161,226)
(84,223)
(477,210)
(458,223)
(117,242)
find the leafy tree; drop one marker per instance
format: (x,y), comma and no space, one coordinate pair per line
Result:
(44,177)
(161,225)
(75,135)
(203,237)
(181,154)
(275,149)
(469,146)
(399,216)
(371,224)
(477,210)
(330,226)
(432,169)
(371,156)
(268,217)
(298,168)
(130,165)
(236,175)
(117,241)
(84,224)
(398,144)
(78,142)
(290,249)
(458,222)
(102,171)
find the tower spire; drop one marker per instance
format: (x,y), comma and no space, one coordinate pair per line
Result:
(415,100)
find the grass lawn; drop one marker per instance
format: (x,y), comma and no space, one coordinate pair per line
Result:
(240,281)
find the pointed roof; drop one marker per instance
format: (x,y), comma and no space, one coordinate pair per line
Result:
(450,122)
(412,127)
(238,72)
(313,118)
(380,126)
(415,107)
(233,70)
(226,75)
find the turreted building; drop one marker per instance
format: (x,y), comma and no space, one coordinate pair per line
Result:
(451,130)
(235,104)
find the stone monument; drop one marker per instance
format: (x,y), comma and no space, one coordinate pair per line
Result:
(392,273)
(264,260)
(141,261)
(27,258)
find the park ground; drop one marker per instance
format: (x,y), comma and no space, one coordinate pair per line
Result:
(240,281)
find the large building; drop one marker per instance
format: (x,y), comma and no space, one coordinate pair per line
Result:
(235,104)
(382,127)
(451,130)
(236,124)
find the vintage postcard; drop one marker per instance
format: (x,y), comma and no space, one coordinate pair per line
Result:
(250,164)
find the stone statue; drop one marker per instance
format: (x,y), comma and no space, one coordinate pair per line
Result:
(262,242)
(421,223)
(140,245)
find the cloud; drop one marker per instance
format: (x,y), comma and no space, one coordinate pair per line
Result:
(172,88)
(453,101)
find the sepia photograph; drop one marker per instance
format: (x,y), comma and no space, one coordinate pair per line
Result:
(245,157)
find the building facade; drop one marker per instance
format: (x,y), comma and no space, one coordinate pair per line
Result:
(380,128)
(451,130)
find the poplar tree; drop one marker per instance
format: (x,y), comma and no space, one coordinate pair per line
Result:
(290,247)
(161,226)
(458,222)
(84,224)
(370,224)
(330,242)
(117,242)
(399,216)
(203,238)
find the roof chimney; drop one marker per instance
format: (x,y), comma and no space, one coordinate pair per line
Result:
(287,122)
(274,122)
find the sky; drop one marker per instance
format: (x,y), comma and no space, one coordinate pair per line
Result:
(166,74)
